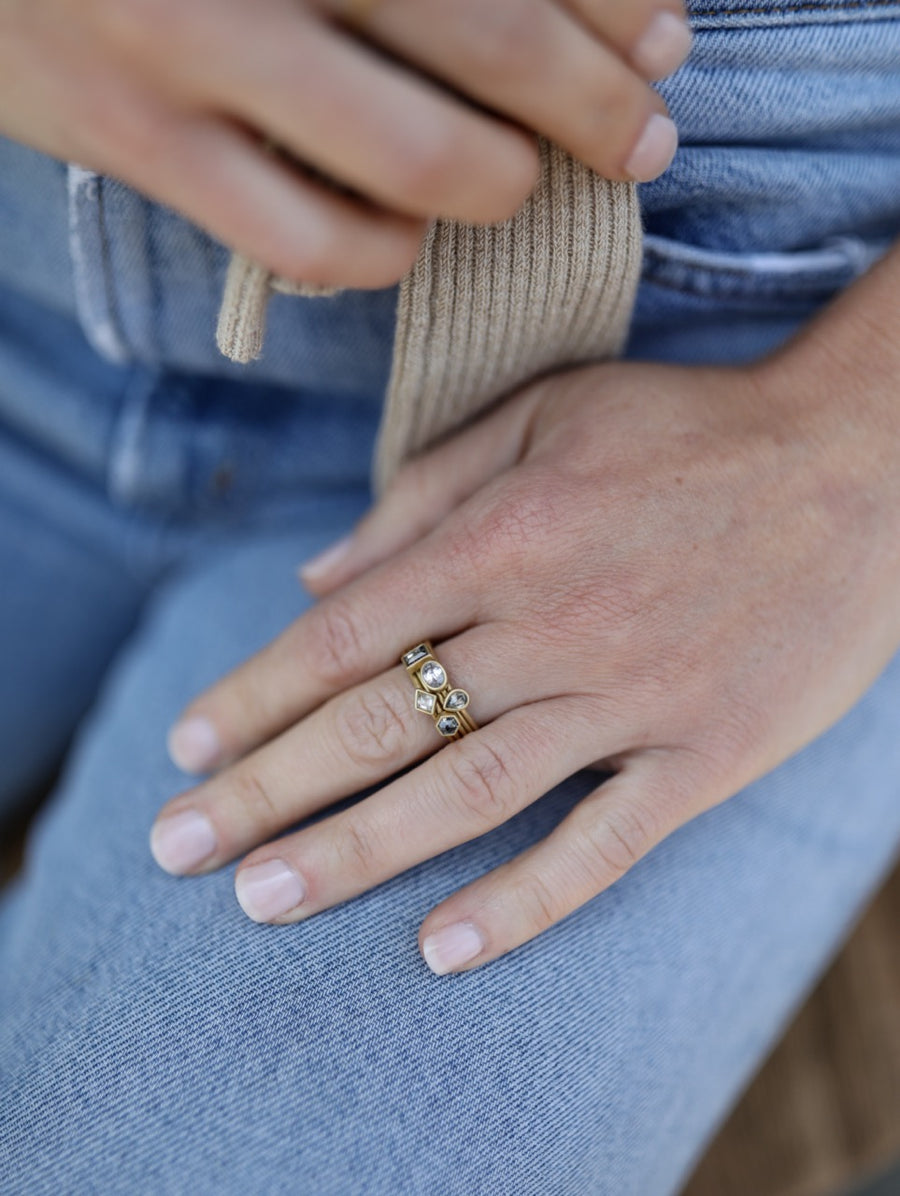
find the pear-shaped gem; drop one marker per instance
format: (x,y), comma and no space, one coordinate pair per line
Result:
(456,699)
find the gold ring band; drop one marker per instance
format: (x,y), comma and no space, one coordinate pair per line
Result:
(435,695)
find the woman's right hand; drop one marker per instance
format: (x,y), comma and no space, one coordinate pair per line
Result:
(432,111)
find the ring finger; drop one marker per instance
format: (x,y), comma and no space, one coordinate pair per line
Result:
(357,739)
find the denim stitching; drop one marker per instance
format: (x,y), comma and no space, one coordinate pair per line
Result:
(785,9)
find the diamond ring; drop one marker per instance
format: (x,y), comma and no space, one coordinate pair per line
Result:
(435,695)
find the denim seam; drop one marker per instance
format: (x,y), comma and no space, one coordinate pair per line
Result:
(724,288)
(88,247)
(787,9)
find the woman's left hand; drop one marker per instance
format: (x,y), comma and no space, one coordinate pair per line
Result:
(683,573)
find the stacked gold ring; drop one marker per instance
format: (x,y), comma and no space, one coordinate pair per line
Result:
(435,695)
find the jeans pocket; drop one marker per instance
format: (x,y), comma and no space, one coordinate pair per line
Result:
(714,14)
(698,305)
(784,281)
(754,13)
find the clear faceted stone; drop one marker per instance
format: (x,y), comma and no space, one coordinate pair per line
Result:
(448,725)
(433,675)
(425,701)
(414,654)
(456,699)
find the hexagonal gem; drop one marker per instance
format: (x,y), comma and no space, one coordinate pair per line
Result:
(448,725)
(433,676)
(425,701)
(409,658)
(456,699)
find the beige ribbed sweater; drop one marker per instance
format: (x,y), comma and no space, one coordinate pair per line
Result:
(487,308)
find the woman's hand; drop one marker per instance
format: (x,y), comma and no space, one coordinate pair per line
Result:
(432,115)
(684,573)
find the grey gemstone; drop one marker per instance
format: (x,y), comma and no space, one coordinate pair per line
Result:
(433,676)
(456,699)
(425,701)
(409,658)
(448,725)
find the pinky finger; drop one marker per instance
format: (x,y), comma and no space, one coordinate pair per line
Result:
(221,177)
(593,847)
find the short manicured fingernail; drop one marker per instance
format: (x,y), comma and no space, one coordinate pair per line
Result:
(664,46)
(180,842)
(194,744)
(326,562)
(266,891)
(451,947)
(655,149)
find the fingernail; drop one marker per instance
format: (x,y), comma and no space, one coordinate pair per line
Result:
(194,744)
(180,842)
(451,947)
(655,149)
(664,46)
(266,891)
(323,564)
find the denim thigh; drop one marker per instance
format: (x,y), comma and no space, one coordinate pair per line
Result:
(153,1038)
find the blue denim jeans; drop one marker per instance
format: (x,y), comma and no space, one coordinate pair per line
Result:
(154,501)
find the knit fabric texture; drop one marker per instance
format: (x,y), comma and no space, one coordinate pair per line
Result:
(486,308)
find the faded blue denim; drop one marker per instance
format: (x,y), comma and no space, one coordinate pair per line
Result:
(153,504)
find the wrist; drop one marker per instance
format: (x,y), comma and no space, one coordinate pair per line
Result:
(837,382)
(848,356)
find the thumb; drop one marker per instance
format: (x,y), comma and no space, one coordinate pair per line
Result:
(424,491)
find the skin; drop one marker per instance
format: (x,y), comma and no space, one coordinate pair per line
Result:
(688,574)
(433,113)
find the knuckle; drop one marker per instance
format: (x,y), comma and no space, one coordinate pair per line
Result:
(140,25)
(738,728)
(620,99)
(482,784)
(542,905)
(255,799)
(356,849)
(511,41)
(513,527)
(372,727)
(423,169)
(319,260)
(335,643)
(127,129)
(616,842)
(325,259)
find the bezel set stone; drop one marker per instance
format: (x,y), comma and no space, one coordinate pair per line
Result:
(434,696)
(433,675)
(414,655)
